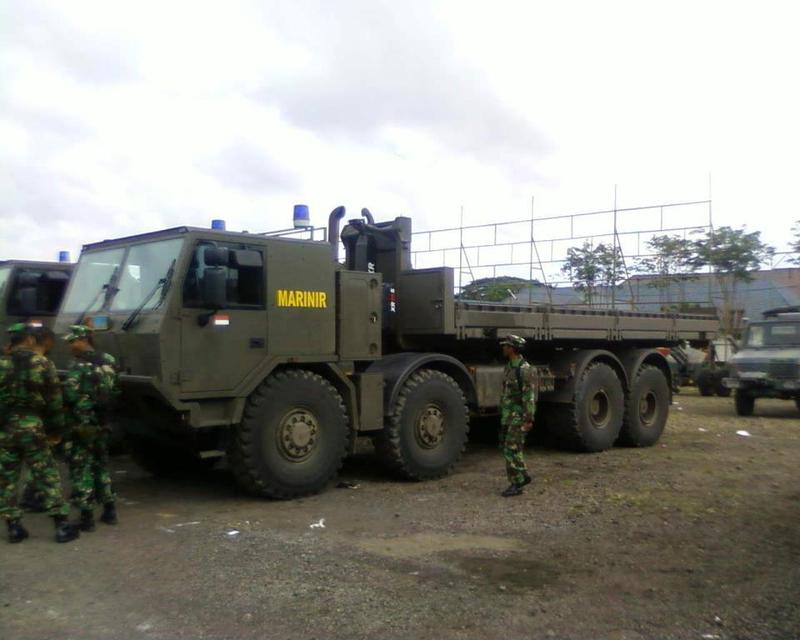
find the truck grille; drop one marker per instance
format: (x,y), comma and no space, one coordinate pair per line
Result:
(781,370)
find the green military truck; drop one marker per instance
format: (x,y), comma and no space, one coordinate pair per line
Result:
(31,291)
(270,351)
(768,364)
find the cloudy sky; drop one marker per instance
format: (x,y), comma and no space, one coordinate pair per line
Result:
(122,117)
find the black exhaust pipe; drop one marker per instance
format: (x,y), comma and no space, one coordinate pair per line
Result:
(333,230)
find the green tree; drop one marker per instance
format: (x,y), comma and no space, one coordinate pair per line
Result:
(731,255)
(592,269)
(670,262)
(493,289)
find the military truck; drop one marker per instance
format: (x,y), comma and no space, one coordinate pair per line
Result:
(272,352)
(31,291)
(768,364)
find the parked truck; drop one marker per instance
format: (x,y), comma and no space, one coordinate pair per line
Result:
(768,364)
(31,292)
(272,352)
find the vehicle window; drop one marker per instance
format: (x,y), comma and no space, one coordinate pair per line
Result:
(784,334)
(45,287)
(755,336)
(144,266)
(93,272)
(244,279)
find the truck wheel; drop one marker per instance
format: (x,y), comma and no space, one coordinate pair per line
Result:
(723,391)
(646,408)
(592,421)
(705,384)
(797,402)
(745,403)
(292,438)
(426,432)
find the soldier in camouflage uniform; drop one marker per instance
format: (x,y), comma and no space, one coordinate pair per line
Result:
(90,386)
(518,407)
(31,410)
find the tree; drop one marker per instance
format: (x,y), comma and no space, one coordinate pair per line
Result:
(592,268)
(794,245)
(731,254)
(671,262)
(493,289)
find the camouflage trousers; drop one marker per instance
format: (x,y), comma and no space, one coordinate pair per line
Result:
(89,474)
(512,444)
(23,439)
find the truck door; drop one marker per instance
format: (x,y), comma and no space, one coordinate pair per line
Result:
(221,343)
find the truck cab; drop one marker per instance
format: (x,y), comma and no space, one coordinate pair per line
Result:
(768,364)
(31,291)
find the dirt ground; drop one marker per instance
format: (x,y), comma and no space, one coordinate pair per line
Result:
(695,538)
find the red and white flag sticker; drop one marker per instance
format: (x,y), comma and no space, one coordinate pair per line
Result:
(221,320)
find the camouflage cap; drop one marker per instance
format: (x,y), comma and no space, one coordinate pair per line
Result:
(78,332)
(513,341)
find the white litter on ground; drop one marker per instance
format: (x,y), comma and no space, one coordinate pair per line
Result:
(701,429)
(318,525)
(744,434)
(232,533)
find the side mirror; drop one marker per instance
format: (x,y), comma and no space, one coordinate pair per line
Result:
(28,303)
(213,287)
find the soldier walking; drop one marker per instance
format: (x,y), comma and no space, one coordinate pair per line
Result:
(90,386)
(31,410)
(517,407)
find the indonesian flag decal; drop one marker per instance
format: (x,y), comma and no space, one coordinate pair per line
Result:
(221,319)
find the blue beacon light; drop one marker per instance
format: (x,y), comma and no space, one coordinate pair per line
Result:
(302,218)
(218,225)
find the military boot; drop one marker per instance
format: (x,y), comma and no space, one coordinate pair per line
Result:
(109,513)
(65,532)
(16,532)
(87,520)
(512,490)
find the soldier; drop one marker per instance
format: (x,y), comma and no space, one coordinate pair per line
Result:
(518,407)
(31,401)
(89,388)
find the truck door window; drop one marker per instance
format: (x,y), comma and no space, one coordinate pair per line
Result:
(244,282)
(49,284)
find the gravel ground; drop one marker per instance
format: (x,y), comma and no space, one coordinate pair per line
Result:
(695,538)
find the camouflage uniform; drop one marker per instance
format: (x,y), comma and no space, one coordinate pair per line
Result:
(90,385)
(31,406)
(517,407)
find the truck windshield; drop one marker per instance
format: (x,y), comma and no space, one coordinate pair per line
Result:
(92,274)
(779,334)
(145,265)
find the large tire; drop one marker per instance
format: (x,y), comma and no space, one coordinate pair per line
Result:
(745,403)
(646,408)
(426,432)
(705,383)
(797,402)
(293,436)
(593,420)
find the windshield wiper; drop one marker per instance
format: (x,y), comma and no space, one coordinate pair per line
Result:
(109,288)
(163,284)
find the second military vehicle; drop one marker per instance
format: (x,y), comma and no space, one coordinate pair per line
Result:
(31,291)
(270,351)
(768,364)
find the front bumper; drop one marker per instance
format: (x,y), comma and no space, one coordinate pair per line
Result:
(761,383)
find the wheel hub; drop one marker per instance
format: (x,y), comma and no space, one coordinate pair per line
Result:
(430,427)
(599,409)
(647,408)
(298,434)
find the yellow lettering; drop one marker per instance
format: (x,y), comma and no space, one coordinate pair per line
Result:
(301,298)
